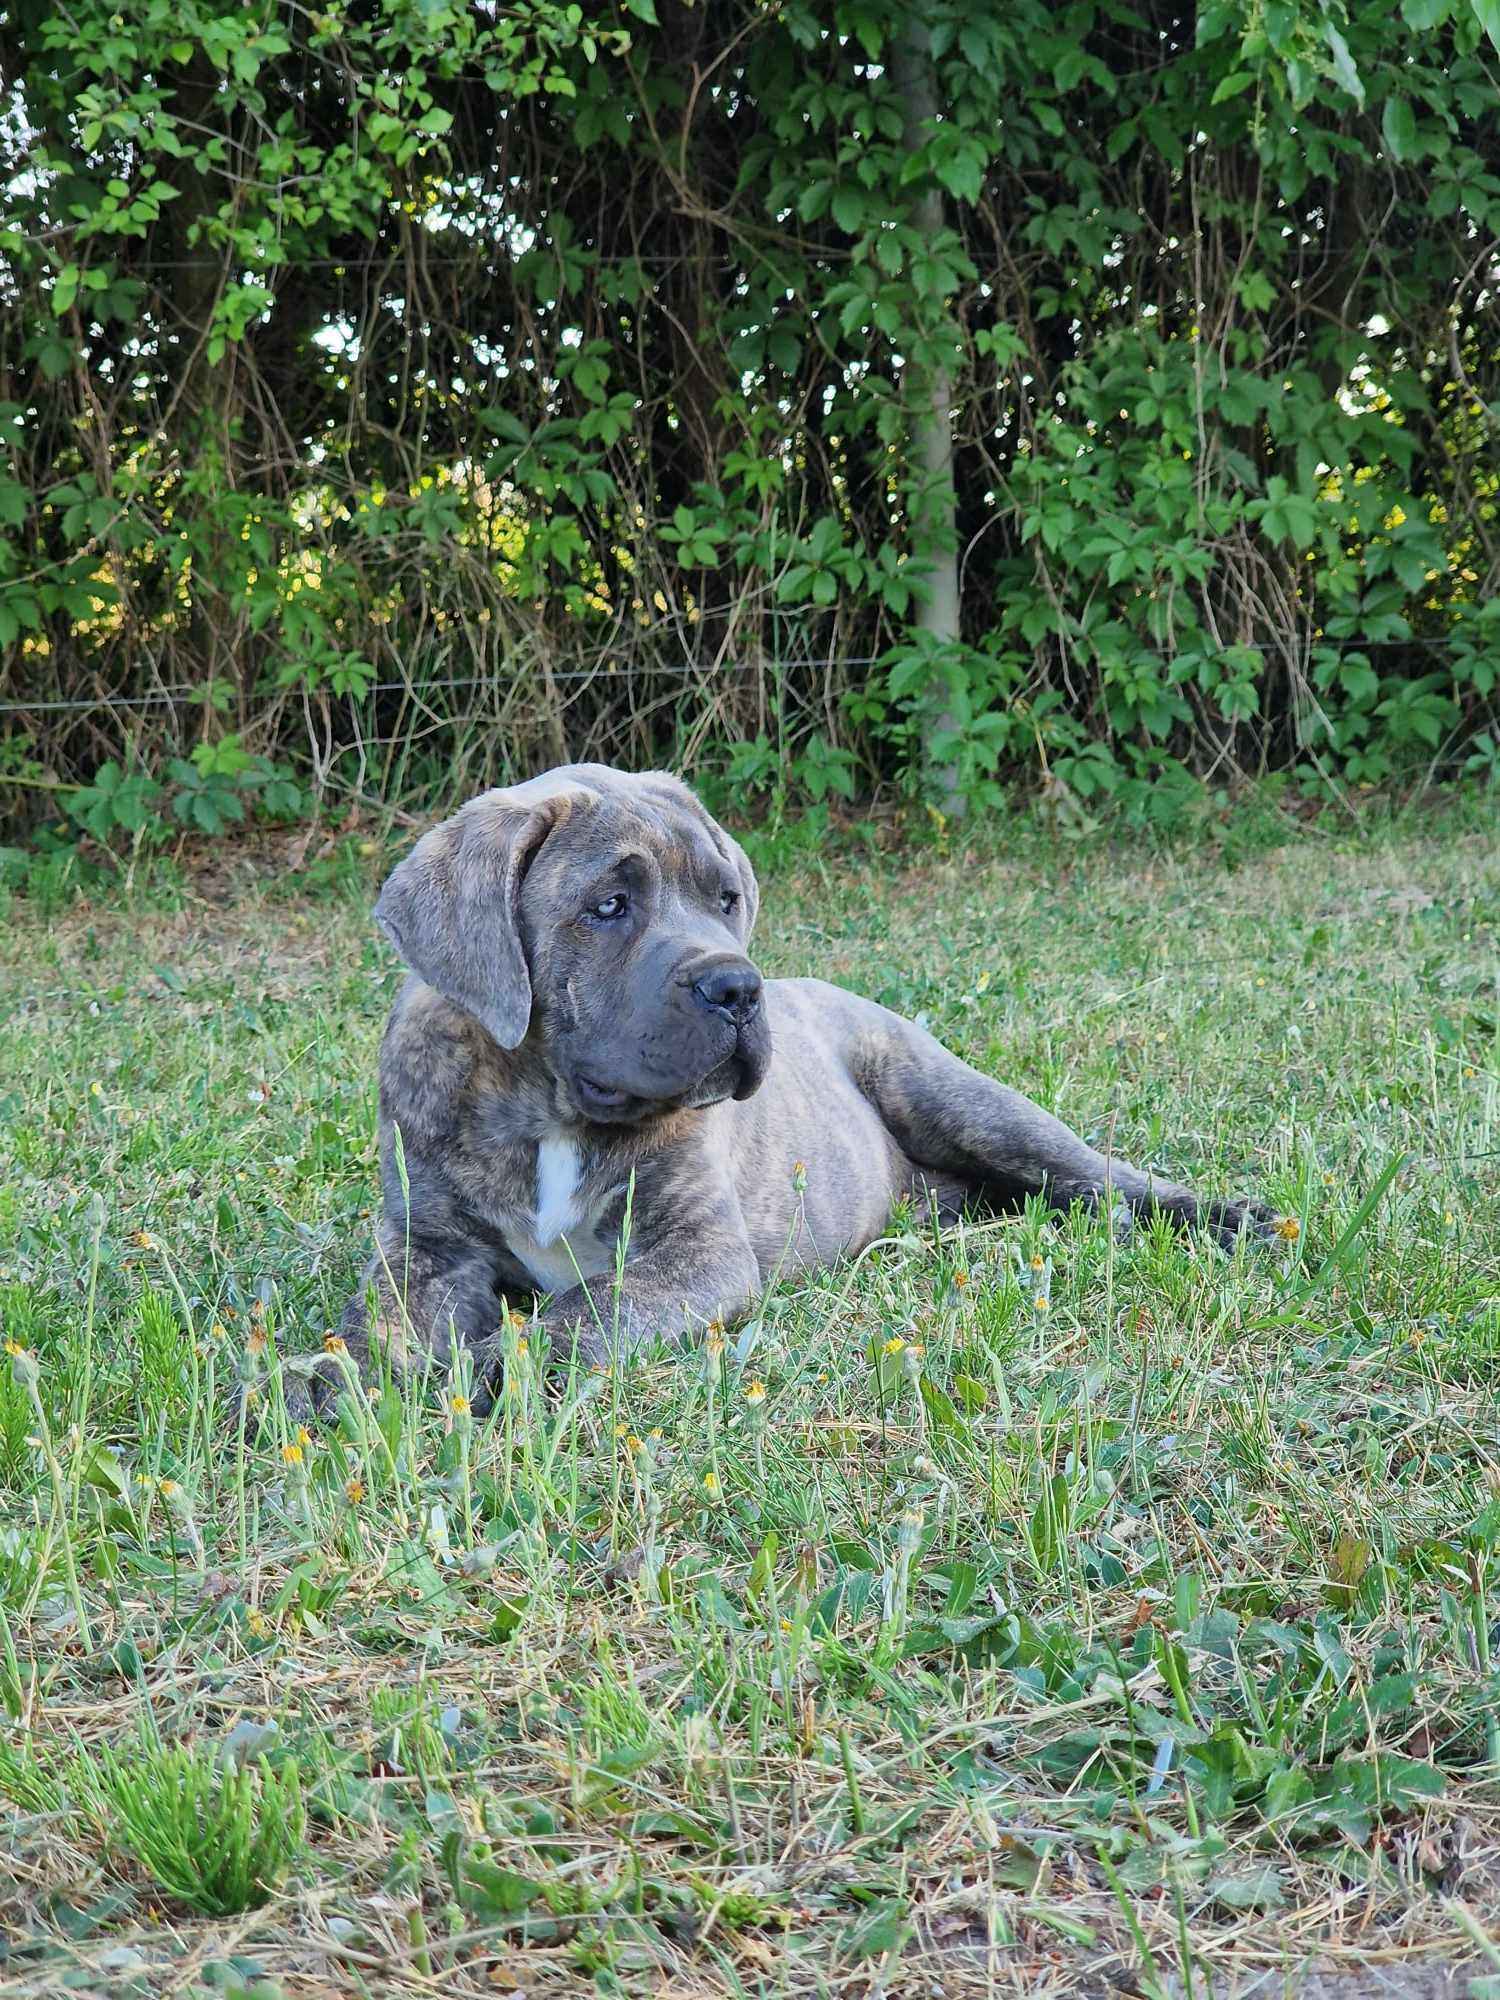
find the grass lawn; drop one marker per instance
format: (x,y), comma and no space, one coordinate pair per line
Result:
(1064,1615)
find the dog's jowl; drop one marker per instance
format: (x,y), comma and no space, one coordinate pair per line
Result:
(584,1029)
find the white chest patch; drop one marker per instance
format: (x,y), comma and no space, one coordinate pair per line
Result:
(563,1242)
(557,1170)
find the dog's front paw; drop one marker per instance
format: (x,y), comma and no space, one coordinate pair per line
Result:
(341,1369)
(1228,1222)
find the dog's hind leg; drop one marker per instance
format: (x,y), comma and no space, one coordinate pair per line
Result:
(951,1119)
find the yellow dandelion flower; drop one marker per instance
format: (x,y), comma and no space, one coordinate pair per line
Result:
(255,1340)
(621,1430)
(894,1345)
(1041,1303)
(755,1392)
(523,1348)
(960,1279)
(143,1239)
(292,1453)
(259,1624)
(354,1490)
(335,1343)
(517,1321)
(459,1405)
(96,1089)
(633,1444)
(1289,1229)
(711,1484)
(1038,1263)
(654,1433)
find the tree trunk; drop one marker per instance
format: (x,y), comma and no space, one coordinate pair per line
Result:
(928,395)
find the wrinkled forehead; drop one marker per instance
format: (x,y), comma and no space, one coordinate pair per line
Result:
(674,832)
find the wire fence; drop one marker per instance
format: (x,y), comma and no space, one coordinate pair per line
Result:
(191,697)
(186,695)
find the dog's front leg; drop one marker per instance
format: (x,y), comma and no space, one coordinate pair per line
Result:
(421,1296)
(686,1276)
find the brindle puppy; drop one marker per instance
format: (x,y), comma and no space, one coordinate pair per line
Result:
(581,1017)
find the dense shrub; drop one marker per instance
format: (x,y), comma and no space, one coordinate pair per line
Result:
(413,392)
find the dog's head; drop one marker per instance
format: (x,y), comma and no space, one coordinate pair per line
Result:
(602,919)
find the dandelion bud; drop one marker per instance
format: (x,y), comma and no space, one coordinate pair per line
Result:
(23,1365)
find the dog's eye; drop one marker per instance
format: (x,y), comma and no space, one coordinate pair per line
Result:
(611,909)
(729,900)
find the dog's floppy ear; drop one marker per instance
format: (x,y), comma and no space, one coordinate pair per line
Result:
(452,908)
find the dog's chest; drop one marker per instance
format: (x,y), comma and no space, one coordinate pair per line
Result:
(560,1238)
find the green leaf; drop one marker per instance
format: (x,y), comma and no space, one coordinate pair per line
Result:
(1385,1782)
(971,1393)
(481,1888)
(1398,128)
(99,1467)
(1231,86)
(758,1583)
(880,1930)
(1247,1888)
(716,1604)
(1487,14)
(1343,62)
(941,1411)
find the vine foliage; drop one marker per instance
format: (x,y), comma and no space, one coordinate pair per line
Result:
(400,394)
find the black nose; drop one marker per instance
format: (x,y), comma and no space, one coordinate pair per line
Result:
(731,987)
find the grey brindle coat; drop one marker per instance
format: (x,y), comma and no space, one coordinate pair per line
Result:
(581,1017)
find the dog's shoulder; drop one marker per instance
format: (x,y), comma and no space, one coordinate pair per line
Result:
(432,1059)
